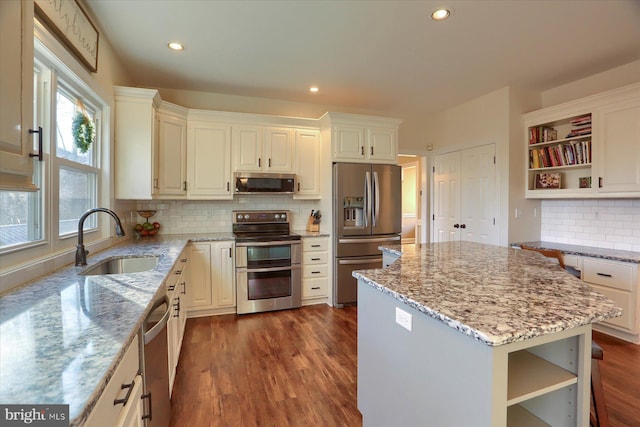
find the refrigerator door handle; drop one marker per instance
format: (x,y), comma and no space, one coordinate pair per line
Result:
(358,261)
(370,240)
(367,198)
(376,199)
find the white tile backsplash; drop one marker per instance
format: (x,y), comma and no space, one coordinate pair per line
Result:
(611,223)
(203,216)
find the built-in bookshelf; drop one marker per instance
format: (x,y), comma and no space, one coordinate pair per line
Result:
(560,154)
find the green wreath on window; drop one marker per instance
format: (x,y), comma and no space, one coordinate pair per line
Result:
(83,131)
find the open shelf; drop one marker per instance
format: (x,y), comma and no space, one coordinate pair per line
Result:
(517,416)
(531,376)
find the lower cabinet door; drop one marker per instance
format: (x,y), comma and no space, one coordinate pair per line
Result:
(131,415)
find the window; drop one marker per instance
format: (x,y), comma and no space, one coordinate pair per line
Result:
(69,178)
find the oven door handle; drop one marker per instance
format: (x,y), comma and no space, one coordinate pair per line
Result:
(268,269)
(271,243)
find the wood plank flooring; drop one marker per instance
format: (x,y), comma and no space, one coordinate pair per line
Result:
(283,368)
(299,367)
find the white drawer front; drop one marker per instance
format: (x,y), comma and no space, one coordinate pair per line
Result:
(311,271)
(622,300)
(105,412)
(315,244)
(314,287)
(572,261)
(618,275)
(314,258)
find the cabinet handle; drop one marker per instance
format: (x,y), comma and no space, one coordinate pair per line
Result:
(298,186)
(372,151)
(150,416)
(230,253)
(171,288)
(463,225)
(178,272)
(315,272)
(456,225)
(604,274)
(315,288)
(315,259)
(184,288)
(362,150)
(155,183)
(184,185)
(269,161)
(176,306)
(124,400)
(227,185)
(259,162)
(315,246)
(39,153)
(600,182)
(184,260)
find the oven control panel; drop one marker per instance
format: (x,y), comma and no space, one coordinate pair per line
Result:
(246,217)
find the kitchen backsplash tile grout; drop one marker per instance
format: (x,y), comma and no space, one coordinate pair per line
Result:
(611,223)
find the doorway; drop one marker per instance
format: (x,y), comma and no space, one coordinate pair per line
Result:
(411,200)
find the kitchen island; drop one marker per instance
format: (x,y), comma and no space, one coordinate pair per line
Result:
(461,333)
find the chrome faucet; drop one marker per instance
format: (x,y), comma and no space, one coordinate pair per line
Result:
(81,253)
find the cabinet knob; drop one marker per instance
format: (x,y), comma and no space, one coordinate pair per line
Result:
(463,225)
(456,225)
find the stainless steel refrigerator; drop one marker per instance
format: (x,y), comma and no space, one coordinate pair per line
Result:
(367,213)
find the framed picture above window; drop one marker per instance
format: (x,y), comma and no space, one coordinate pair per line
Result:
(70,23)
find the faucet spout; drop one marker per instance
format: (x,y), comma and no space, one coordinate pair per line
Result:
(81,253)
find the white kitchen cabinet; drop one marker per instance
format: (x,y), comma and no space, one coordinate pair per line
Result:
(136,153)
(358,138)
(120,403)
(172,156)
(209,161)
(619,148)
(177,294)
(619,282)
(262,149)
(587,148)
(16,102)
(212,278)
(307,164)
(315,280)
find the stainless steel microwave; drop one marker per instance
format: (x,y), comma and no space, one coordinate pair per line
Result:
(264,183)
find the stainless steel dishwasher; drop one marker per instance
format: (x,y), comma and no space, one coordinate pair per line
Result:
(154,364)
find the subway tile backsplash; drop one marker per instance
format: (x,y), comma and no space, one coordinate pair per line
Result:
(612,224)
(203,216)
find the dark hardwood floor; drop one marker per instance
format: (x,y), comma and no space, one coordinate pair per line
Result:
(299,367)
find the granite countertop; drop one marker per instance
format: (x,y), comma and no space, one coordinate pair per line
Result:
(305,233)
(62,335)
(497,295)
(590,251)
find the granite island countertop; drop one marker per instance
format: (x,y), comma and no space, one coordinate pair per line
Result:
(63,335)
(497,295)
(590,251)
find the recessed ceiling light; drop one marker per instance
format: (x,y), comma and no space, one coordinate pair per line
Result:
(175,46)
(441,14)
(314,89)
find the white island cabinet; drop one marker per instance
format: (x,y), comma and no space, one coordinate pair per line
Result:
(506,345)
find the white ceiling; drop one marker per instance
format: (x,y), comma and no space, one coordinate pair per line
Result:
(387,56)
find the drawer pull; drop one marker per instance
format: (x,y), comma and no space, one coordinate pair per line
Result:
(315,259)
(315,288)
(604,274)
(178,272)
(124,400)
(172,287)
(315,272)
(315,246)
(150,416)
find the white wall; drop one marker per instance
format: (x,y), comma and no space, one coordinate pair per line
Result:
(613,224)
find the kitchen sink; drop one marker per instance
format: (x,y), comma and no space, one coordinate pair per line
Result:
(122,265)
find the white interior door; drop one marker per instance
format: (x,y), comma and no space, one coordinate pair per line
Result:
(464,196)
(446,197)
(478,195)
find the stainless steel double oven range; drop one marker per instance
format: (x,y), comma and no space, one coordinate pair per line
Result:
(268,275)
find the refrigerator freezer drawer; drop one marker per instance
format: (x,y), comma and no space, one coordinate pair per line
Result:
(364,246)
(346,286)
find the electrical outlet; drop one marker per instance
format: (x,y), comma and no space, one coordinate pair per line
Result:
(403,319)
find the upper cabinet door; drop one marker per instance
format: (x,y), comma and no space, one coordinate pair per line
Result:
(172,156)
(382,145)
(308,160)
(247,148)
(209,161)
(619,148)
(348,143)
(278,150)
(16,101)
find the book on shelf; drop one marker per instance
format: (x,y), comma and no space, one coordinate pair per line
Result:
(539,134)
(586,118)
(580,126)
